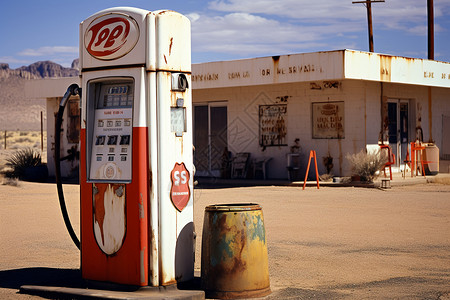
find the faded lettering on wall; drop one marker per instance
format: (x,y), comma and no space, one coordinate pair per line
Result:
(328,120)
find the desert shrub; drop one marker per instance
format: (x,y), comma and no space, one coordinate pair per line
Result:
(20,160)
(23,133)
(23,140)
(11,182)
(367,165)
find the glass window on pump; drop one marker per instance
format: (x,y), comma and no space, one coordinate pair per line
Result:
(117,95)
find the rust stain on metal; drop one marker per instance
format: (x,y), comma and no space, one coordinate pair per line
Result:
(165,58)
(239,265)
(385,67)
(153,240)
(276,64)
(170,46)
(153,262)
(173,95)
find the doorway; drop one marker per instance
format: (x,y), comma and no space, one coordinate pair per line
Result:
(398,113)
(210,138)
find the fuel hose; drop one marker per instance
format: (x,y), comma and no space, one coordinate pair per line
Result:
(73,89)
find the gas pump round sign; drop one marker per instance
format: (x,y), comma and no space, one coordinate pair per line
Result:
(180,192)
(111,36)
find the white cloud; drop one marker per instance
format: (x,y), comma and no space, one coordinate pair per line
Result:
(398,14)
(63,55)
(247,34)
(248,28)
(321,11)
(13,60)
(54,50)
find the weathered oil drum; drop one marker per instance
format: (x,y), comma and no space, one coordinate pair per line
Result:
(234,252)
(431,159)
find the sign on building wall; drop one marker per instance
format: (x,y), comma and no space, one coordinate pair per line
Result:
(272,125)
(328,120)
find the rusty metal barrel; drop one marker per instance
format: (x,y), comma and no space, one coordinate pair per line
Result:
(234,252)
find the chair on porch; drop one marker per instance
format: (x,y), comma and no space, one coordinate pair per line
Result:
(390,159)
(239,165)
(259,165)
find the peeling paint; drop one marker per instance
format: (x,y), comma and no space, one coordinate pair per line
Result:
(109,217)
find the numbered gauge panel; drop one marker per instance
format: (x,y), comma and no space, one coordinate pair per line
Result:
(112,127)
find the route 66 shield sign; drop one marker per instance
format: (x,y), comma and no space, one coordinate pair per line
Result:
(180,192)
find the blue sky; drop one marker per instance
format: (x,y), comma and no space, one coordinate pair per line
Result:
(232,29)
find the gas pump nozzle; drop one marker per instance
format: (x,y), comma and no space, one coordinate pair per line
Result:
(72,90)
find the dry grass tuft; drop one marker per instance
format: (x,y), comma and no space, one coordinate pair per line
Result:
(10,181)
(367,165)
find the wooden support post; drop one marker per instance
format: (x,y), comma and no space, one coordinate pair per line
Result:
(312,154)
(42,133)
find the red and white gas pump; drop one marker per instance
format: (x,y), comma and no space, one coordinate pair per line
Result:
(136,168)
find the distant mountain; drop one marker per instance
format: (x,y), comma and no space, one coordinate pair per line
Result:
(40,69)
(19,113)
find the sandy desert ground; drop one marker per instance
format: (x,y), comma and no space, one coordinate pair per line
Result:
(332,243)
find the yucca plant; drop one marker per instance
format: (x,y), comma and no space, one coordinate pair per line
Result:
(22,159)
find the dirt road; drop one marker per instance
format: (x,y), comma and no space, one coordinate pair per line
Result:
(331,243)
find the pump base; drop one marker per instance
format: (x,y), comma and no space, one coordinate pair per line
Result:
(170,292)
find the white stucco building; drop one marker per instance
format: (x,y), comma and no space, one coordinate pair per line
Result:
(334,102)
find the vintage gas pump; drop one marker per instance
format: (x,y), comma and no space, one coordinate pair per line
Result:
(136,168)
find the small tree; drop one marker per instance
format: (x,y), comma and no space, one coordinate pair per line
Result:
(367,165)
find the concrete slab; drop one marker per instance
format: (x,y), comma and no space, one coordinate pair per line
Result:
(83,293)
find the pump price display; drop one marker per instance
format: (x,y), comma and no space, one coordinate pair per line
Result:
(115,96)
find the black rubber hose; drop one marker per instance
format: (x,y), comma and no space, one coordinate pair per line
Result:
(72,90)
